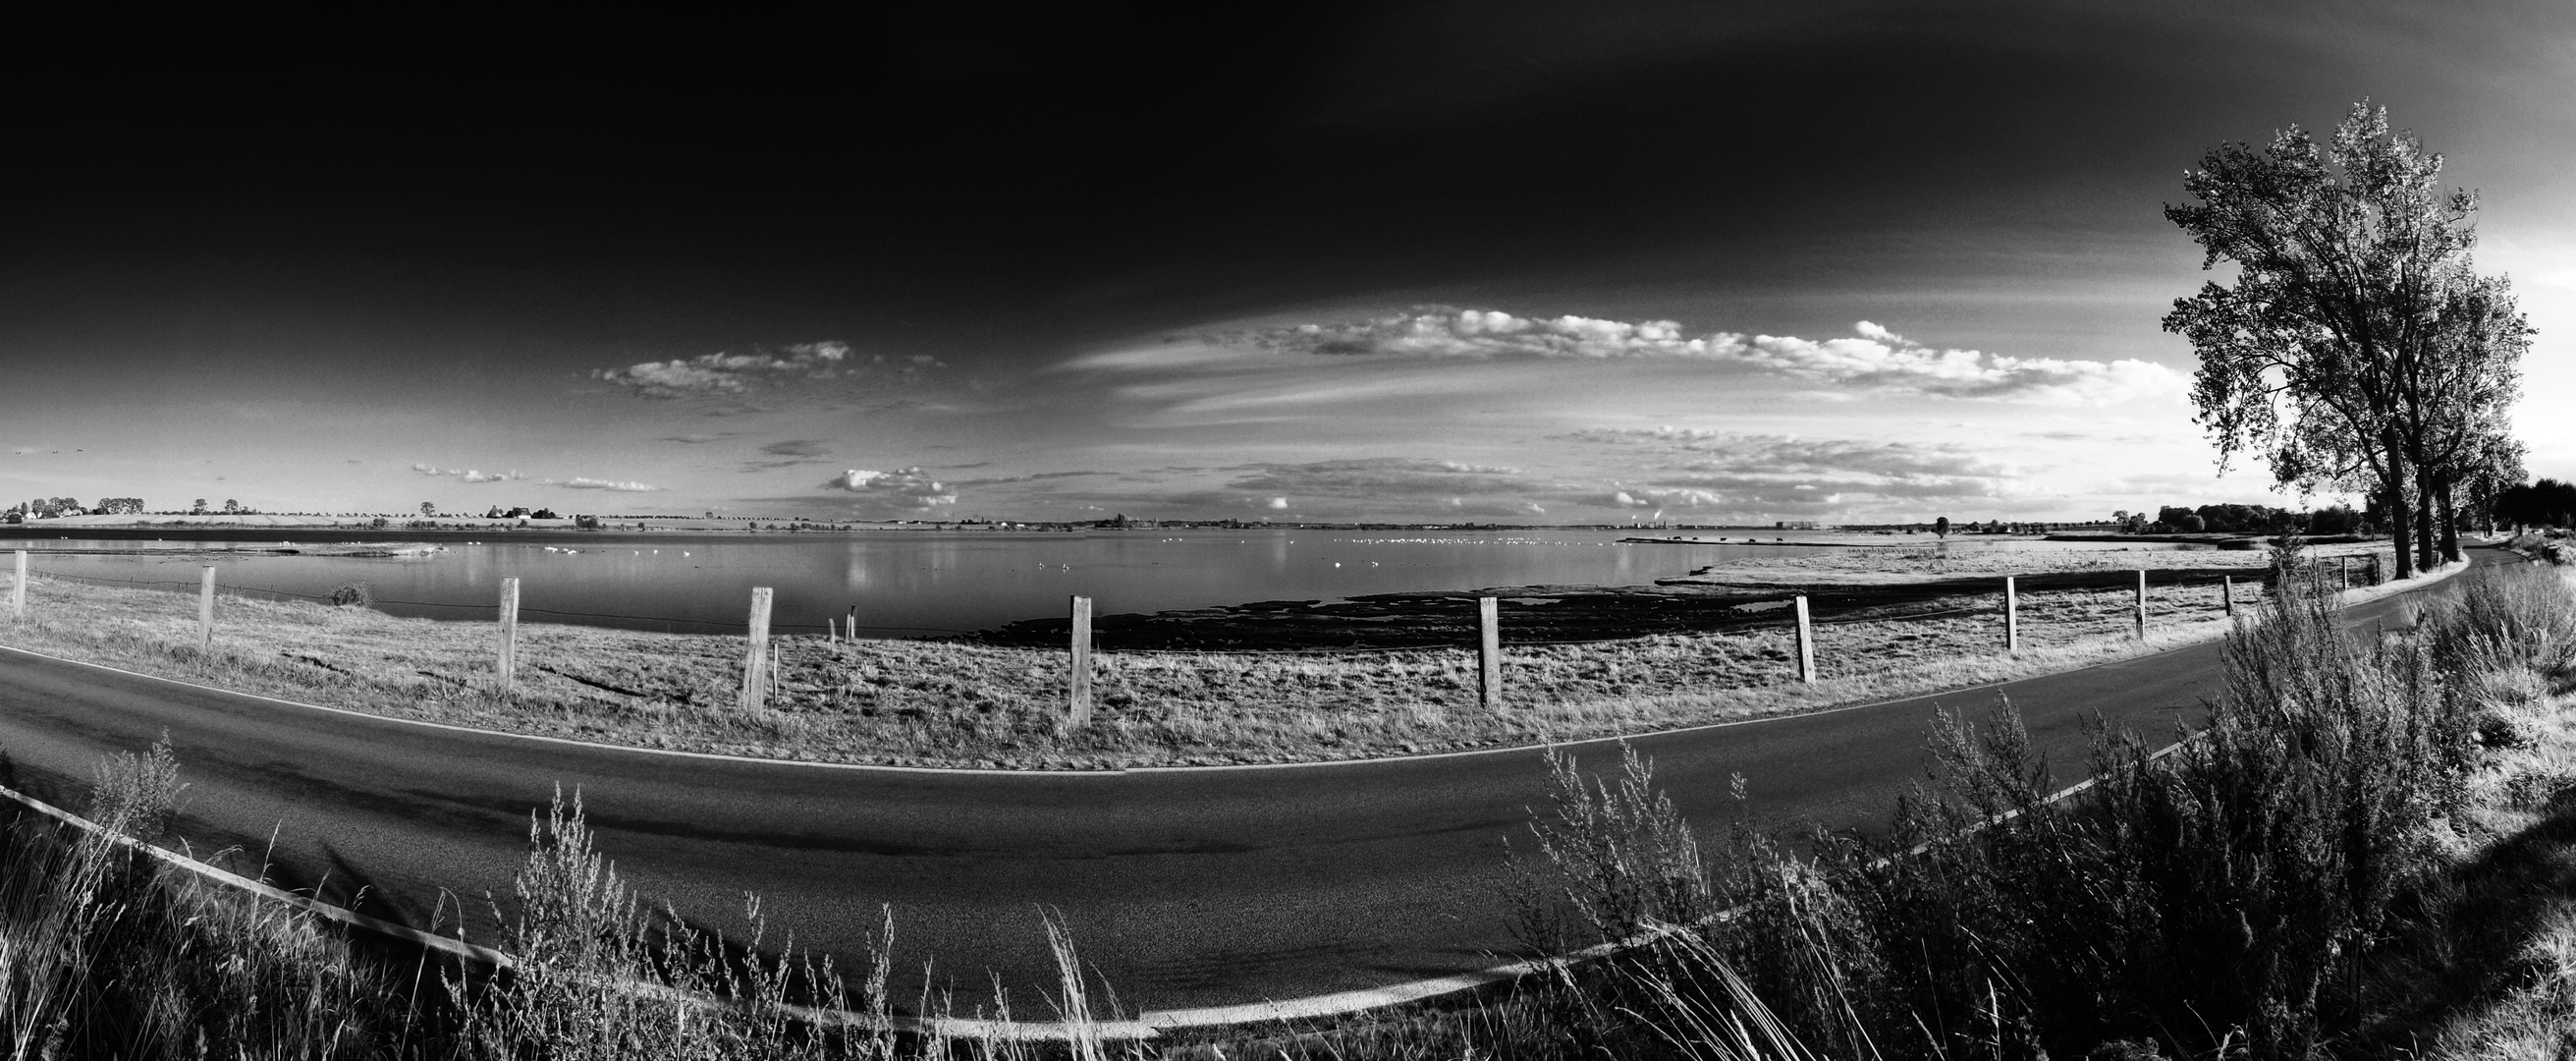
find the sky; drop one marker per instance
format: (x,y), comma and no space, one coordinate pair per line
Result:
(1439,262)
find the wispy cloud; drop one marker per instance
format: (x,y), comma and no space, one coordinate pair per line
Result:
(1686,468)
(1694,449)
(1389,485)
(695,438)
(1880,359)
(798,447)
(470,475)
(1873,359)
(729,373)
(626,487)
(1377,477)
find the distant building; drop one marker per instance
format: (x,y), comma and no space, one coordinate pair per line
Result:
(1797,524)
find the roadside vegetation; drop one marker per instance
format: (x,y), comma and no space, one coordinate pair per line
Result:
(949,704)
(2364,855)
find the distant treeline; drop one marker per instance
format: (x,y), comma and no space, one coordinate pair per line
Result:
(2547,503)
(2244,519)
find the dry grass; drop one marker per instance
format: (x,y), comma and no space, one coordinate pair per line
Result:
(2501,980)
(931,703)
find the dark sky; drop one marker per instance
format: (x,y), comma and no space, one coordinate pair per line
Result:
(438,216)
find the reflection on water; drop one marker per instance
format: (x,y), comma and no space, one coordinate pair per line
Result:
(900,584)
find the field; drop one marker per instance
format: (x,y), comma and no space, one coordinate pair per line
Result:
(1902,565)
(2096,926)
(945,704)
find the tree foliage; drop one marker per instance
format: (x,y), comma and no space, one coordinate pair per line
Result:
(2547,503)
(2357,348)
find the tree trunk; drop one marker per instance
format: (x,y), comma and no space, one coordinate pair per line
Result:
(2426,556)
(2399,525)
(2450,525)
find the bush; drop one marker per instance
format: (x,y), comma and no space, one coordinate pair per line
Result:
(2233,896)
(353,595)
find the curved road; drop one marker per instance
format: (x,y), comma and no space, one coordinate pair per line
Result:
(1186,887)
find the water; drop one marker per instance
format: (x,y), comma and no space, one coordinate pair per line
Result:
(924,583)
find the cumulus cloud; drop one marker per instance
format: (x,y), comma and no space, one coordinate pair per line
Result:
(729,373)
(1874,358)
(469,474)
(909,488)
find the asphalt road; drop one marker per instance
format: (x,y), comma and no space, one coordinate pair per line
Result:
(1186,887)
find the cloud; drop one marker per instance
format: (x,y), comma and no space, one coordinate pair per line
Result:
(580,483)
(909,488)
(729,373)
(1030,478)
(1885,361)
(1746,473)
(697,438)
(1873,359)
(1442,331)
(798,447)
(470,475)
(1692,449)
(1377,478)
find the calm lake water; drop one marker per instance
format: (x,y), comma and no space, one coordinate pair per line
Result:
(921,583)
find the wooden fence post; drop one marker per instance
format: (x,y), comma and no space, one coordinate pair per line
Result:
(2012,616)
(2343,571)
(2142,604)
(1489,653)
(2227,592)
(506,665)
(18,589)
(755,662)
(206,608)
(1077,712)
(1806,643)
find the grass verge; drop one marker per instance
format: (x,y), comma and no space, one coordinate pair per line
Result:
(2371,852)
(923,703)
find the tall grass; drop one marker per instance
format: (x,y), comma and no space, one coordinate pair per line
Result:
(2255,891)
(102,956)
(106,951)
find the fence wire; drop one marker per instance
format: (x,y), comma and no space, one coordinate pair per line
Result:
(1724,626)
(494,608)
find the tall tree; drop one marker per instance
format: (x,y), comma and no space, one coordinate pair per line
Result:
(2344,252)
(2458,394)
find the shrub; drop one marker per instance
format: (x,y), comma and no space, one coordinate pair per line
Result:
(2231,896)
(353,595)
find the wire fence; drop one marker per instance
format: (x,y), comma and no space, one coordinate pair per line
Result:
(1751,614)
(1437,628)
(287,594)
